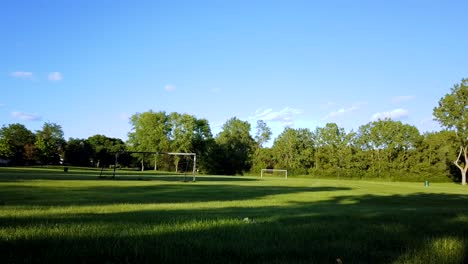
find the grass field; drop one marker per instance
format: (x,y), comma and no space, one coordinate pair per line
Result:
(48,216)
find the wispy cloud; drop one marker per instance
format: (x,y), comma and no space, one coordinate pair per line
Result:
(55,76)
(169,88)
(284,116)
(402,98)
(21,75)
(395,114)
(341,111)
(25,116)
(344,110)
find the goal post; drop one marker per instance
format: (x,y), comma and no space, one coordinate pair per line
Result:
(272,171)
(194,155)
(194,169)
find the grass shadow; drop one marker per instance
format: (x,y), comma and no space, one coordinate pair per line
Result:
(143,194)
(10,174)
(412,228)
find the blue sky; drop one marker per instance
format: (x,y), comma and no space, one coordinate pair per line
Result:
(90,65)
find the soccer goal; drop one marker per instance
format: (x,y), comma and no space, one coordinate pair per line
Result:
(193,155)
(274,172)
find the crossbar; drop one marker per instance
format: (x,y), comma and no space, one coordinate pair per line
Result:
(194,171)
(273,170)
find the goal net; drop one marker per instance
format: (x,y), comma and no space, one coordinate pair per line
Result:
(274,172)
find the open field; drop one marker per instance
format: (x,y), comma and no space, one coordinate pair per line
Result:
(49,216)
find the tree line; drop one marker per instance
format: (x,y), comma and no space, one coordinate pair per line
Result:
(47,146)
(385,148)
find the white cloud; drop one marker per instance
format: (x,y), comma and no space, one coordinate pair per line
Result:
(395,114)
(402,98)
(21,75)
(341,111)
(344,110)
(55,76)
(169,88)
(25,116)
(284,116)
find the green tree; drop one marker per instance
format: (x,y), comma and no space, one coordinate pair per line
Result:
(452,113)
(104,149)
(182,134)
(16,143)
(150,133)
(263,157)
(388,142)
(433,156)
(236,146)
(263,134)
(201,142)
(50,143)
(334,151)
(78,152)
(294,150)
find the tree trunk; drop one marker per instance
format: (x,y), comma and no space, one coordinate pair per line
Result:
(176,163)
(380,163)
(463,170)
(155,163)
(142,165)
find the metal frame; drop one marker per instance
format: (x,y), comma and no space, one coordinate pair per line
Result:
(273,170)
(157,153)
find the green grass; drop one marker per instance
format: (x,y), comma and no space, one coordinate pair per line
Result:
(48,216)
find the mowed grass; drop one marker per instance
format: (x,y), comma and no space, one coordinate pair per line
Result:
(48,216)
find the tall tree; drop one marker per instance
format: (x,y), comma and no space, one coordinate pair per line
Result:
(16,143)
(434,155)
(104,149)
(263,134)
(150,133)
(182,134)
(50,143)
(386,141)
(294,150)
(333,148)
(262,157)
(237,146)
(452,113)
(201,141)
(78,152)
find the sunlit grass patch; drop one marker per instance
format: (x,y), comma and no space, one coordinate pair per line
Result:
(444,250)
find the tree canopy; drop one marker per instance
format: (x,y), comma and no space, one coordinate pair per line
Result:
(237,146)
(452,113)
(50,143)
(16,143)
(162,132)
